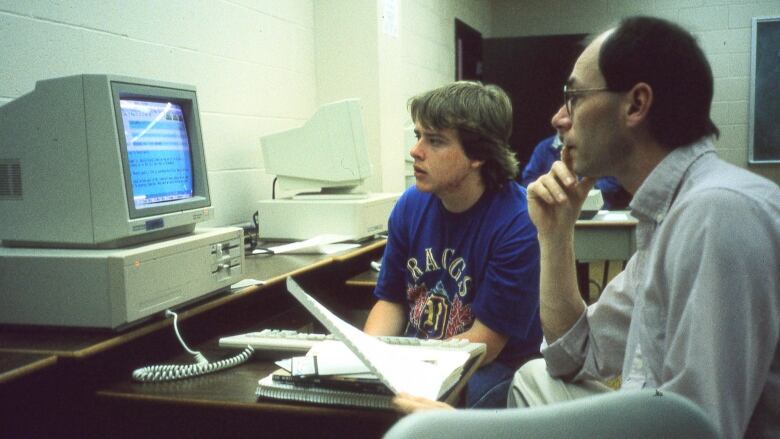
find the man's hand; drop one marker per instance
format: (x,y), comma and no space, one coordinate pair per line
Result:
(406,403)
(555,199)
(554,203)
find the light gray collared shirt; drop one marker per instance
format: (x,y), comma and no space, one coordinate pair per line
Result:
(697,309)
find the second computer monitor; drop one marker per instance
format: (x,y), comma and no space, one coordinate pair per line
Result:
(327,154)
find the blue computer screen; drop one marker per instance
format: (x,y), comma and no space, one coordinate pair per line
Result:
(158,151)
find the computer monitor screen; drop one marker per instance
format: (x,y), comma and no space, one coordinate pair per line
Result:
(102,161)
(327,154)
(158,151)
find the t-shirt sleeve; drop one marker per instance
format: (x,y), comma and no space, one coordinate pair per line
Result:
(508,299)
(390,285)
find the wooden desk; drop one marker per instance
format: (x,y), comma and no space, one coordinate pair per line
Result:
(92,361)
(14,366)
(191,405)
(365,279)
(81,344)
(23,380)
(84,343)
(223,404)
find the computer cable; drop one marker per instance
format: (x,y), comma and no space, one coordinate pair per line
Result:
(251,233)
(169,372)
(262,251)
(255,250)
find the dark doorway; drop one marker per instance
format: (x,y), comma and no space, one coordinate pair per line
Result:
(532,70)
(468,52)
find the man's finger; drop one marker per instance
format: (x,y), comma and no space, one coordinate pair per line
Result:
(408,404)
(563,173)
(538,190)
(566,157)
(585,185)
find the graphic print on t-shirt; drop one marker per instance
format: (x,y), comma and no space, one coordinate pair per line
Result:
(434,315)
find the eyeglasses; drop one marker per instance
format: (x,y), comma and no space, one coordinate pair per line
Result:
(569,96)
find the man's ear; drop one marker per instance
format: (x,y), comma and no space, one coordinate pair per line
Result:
(640,100)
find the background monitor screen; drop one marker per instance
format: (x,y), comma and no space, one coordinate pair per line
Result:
(158,151)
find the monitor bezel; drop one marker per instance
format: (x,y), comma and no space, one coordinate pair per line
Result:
(187,100)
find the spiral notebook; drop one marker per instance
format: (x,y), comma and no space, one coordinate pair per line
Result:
(269,387)
(432,374)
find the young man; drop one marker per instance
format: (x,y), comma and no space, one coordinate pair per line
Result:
(462,259)
(548,151)
(697,309)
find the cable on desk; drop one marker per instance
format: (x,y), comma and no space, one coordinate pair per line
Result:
(252,234)
(263,251)
(169,372)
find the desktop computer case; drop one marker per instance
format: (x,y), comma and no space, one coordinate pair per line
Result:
(355,219)
(116,287)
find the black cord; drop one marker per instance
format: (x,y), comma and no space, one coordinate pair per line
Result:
(273,189)
(598,289)
(252,234)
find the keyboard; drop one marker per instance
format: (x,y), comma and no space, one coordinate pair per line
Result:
(280,341)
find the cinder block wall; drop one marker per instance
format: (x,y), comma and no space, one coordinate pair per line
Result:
(723,28)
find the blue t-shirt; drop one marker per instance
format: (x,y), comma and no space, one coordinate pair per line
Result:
(452,268)
(548,151)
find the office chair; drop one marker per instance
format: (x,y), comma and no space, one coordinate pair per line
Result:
(623,414)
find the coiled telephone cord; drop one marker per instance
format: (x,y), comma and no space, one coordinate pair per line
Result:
(170,372)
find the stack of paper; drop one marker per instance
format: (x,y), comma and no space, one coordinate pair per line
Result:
(323,245)
(401,368)
(385,369)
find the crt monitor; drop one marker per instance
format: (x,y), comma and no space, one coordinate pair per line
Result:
(327,154)
(101,161)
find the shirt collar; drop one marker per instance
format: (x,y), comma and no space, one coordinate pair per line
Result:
(654,197)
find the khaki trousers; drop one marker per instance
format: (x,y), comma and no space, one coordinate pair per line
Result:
(533,386)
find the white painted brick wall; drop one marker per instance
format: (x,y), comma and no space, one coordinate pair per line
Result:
(723,28)
(428,40)
(251,61)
